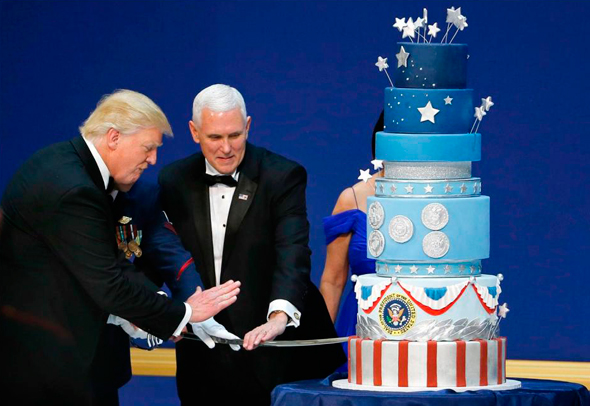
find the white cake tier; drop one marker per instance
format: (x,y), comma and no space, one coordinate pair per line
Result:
(375,363)
(421,309)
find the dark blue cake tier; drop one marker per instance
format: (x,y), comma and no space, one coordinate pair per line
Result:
(451,110)
(432,66)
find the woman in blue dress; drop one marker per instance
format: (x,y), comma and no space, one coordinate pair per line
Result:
(346,240)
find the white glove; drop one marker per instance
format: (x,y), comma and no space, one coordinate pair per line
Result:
(205,329)
(134,332)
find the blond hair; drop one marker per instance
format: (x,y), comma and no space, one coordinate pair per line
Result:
(125,111)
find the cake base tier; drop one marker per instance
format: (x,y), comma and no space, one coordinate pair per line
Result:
(431,364)
(510,384)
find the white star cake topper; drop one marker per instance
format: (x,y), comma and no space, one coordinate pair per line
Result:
(487,103)
(503,310)
(381,63)
(377,164)
(400,23)
(365,175)
(433,30)
(427,113)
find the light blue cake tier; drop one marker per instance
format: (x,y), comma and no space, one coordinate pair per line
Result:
(427,269)
(431,188)
(432,66)
(420,309)
(454,115)
(428,147)
(440,230)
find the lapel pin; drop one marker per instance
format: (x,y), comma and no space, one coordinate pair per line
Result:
(243,197)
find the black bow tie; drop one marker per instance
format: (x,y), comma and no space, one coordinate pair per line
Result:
(225,179)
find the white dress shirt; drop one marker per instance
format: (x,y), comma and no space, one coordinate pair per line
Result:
(220,198)
(105,174)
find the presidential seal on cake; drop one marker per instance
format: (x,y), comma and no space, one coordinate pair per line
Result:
(428,317)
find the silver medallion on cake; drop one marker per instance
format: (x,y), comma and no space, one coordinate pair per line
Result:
(401,229)
(376,243)
(436,244)
(376,215)
(435,216)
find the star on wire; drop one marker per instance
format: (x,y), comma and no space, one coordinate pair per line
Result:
(427,113)
(400,23)
(365,175)
(402,57)
(377,164)
(433,30)
(503,310)
(382,65)
(487,103)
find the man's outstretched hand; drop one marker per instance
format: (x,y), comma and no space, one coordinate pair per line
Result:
(207,303)
(274,327)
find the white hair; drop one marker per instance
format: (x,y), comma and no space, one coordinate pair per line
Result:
(218,98)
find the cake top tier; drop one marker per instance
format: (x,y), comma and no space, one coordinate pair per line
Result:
(431,66)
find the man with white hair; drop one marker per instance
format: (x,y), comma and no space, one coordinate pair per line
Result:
(59,257)
(241,212)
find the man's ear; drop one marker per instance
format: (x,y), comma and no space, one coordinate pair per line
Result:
(194,131)
(113,137)
(248,122)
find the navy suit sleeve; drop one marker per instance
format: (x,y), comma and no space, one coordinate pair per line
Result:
(164,257)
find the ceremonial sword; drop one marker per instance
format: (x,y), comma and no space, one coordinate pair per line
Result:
(281,343)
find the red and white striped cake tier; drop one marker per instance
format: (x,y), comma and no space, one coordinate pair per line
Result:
(428,364)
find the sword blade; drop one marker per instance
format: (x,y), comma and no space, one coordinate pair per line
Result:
(278,343)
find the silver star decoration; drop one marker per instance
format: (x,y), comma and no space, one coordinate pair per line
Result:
(479,113)
(381,188)
(365,175)
(402,58)
(433,30)
(413,269)
(475,187)
(447,269)
(448,100)
(377,164)
(409,189)
(480,187)
(427,113)
(393,188)
(430,269)
(427,189)
(463,188)
(471,269)
(461,268)
(409,29)
(453,15)
(461,23)
(419,23)
(448,188)
(487,103)
(400,23)
(503,310)
(398,269)
(381,63)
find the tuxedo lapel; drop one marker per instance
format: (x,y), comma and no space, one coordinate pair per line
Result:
(199,201)
(241,201)
(92,169)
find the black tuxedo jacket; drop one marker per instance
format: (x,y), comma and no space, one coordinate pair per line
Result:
(61,278)
(266,248)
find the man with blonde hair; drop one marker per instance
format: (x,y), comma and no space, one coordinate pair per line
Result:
(59,261)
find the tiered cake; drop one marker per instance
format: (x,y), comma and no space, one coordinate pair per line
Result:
(427,318)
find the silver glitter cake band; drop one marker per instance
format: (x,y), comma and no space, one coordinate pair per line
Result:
(427,170)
